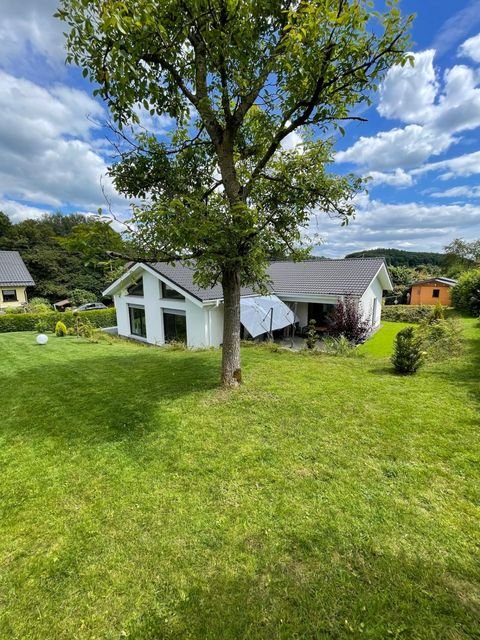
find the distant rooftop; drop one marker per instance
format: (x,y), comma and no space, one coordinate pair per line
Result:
(441,280)
(13,272)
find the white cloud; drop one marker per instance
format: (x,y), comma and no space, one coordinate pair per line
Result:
(17,211)
(29,25)
(408,93)
(457,27)
(407,225)
(396,149)
(458,192)
(292,141)
(434,114)
(465,165)
(397,178)
(46,140)
(471,48)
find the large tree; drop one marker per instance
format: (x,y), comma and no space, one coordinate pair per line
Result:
(239,78)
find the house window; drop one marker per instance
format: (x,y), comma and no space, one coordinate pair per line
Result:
(436,293)
(138,325)
(175,327)
(168,292)
(136,289)
(9,295)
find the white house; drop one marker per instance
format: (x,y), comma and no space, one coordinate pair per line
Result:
(158,302)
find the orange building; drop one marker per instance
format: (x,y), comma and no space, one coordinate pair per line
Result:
(432,291)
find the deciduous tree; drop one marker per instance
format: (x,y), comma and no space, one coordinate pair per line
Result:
(239,78)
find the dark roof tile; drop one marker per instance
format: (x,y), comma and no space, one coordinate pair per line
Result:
(350,276)
(13,271)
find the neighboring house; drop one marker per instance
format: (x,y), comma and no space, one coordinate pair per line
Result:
(158,302)
(432,291)
(14,280)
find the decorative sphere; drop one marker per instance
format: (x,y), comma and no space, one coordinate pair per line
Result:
(42,338)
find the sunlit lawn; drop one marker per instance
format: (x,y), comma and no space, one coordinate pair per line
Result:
(328,498)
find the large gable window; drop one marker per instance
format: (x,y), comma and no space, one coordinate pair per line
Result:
(175,326)
(9,295)
(168,292)
(138,326)
(136,289)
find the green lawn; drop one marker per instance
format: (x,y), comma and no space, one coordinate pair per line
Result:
(328,498)
(380,345)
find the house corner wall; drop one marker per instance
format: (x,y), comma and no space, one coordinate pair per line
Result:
(372,312)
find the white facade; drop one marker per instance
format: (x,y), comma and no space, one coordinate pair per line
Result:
(203,321)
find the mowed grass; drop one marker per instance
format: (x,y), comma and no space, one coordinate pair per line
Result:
(327,498)
(380,344)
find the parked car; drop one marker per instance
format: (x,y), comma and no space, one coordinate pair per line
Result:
(91,306)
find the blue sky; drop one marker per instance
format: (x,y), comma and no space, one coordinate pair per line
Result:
(420,146)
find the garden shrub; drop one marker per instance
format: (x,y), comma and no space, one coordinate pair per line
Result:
(339,346)
(347,320)
(311,335)
(83,327)
(60,329)
(406,312)
(81,296)
(440,338)
(41,326)
(466,293)
(38,305)
(407,355)
(28,321)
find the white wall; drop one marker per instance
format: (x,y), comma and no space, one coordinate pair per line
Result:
(215,324)
(123,320)
(154,305)
(374,291)
(197,328)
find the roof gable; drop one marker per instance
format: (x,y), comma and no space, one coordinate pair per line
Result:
(13,271)
(449,282)
(350,276)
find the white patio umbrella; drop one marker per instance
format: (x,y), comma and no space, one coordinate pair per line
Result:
(264,314)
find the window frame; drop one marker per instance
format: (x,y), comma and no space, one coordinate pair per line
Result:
(131,310)
(176,314)
(134,285)
(176,294)
(14,294)
(435,293)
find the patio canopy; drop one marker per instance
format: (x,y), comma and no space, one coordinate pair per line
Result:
(263,314)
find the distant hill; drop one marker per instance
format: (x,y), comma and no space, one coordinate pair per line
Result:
(400,258)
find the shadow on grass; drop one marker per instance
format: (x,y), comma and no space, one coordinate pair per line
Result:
(336,593)
(105,398)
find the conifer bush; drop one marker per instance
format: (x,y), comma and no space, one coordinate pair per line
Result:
(311,335)
(407,355)
(60,329)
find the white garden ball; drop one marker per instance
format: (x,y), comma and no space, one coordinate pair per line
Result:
(42,338)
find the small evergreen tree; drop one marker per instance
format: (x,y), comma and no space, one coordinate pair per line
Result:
(60,329)
(407,355)
(437,313)
(311,334)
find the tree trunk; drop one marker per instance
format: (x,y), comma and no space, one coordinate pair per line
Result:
(231,371)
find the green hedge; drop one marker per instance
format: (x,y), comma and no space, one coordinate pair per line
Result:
(406,312)
(27,321)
